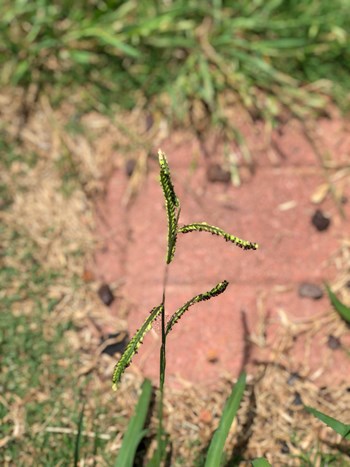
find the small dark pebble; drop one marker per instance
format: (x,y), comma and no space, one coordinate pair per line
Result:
(114,348)
(324,392)
(105,294)
(292,378)
(297,399)
(320,221)
(284,447)
(216,173)
(130,167)
(333,342)
(310,291)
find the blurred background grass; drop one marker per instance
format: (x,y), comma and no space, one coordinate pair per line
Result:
(166,55)
(273,58)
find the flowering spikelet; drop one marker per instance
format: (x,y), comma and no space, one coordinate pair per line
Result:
(133,346)
(217,290)
(204,227)
(172,204)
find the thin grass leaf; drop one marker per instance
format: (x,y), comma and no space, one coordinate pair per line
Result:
(239,138)
(260,462)
(82,56)
(133,346)
(104,37)
(78,437)
(204,227)
(341,428)
(172,205)
(216,448)
(217,290)
(20,71)
(207,79)
(342,309)
(135,431)
(152,26)
(168,42)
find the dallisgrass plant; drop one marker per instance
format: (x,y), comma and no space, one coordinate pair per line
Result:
(173,209)
(136,430)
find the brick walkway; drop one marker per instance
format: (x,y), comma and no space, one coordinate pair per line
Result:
(272,207)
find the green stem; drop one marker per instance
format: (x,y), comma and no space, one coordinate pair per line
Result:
(162,365)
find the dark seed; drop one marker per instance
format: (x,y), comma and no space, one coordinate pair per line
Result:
(320,221)
(292,378)
(284,447)
(130,167)
(105,294)
(297,399)
(333,342)
(313,291)
(216,173)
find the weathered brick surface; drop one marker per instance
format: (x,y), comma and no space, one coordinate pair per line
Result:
(273,208)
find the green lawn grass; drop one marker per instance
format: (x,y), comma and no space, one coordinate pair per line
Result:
(41,393)
(168,55)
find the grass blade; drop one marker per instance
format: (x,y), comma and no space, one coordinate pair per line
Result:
(133,346)
(217,444)
(78,437)
(135,431)
(341,428)
(342,309)
(260,462)
(208,90)
(104,37)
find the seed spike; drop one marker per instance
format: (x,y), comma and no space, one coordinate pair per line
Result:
(217,290)
(133,346)
(204,227)
(172,204)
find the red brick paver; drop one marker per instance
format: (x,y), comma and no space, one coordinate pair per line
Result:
(272,208)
